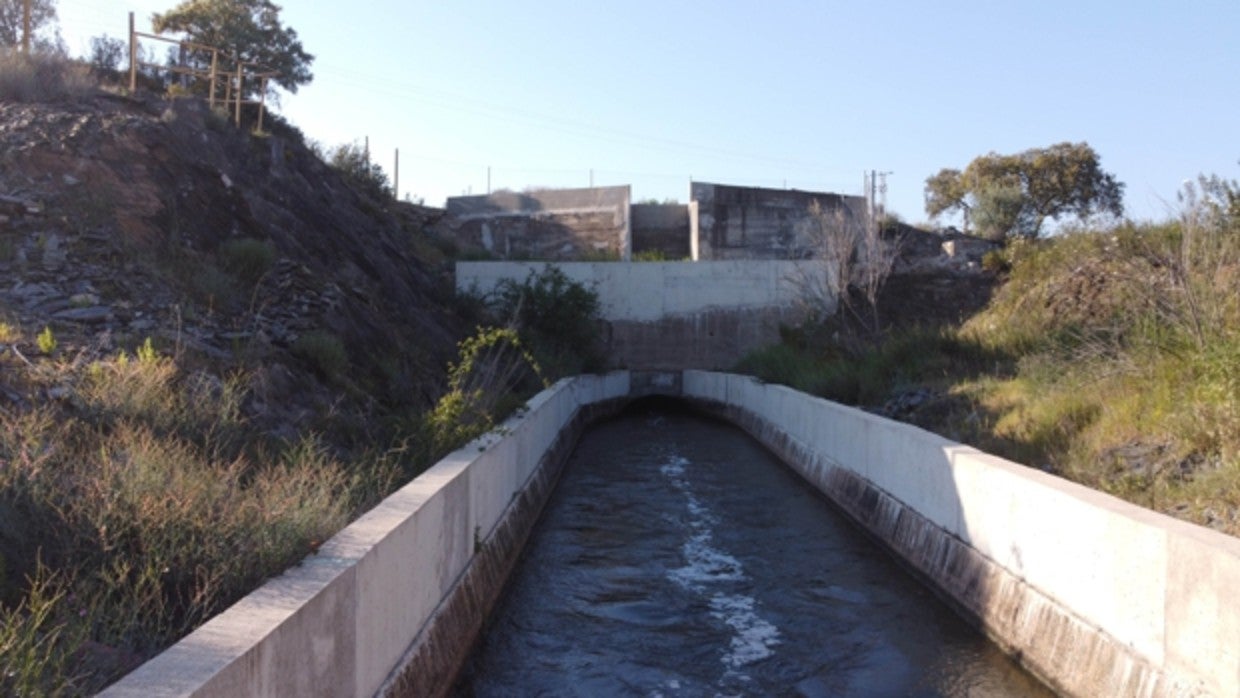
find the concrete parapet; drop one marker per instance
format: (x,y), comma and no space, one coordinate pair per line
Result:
(1094,595)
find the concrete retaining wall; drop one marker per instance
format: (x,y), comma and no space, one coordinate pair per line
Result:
(392,604)
(673,315)
(1096,596)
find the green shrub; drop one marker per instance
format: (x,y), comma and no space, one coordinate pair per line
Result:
(324,351)
(46,341)
(247,258)
(493,374)
(556,317)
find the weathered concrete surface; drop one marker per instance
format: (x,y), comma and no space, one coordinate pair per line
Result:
(672,315)
(390,603)
(662,228)
(552,224)
(1094,595)
(754,223)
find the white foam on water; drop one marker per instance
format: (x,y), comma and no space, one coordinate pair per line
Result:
(707,567)
(754,636)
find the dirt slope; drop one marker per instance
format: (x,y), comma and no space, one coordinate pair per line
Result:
(122,219)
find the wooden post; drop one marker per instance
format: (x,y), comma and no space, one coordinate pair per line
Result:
(133,58)
(215,54)
(240,92)
(26,28)
(262,103)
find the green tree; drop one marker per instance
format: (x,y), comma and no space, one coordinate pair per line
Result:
(249,30)
(1063,179)
(42,23)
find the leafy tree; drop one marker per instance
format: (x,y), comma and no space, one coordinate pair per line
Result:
(42,23)
(1063,179)
(249,30)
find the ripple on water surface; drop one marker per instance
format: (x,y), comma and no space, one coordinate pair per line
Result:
(679,558)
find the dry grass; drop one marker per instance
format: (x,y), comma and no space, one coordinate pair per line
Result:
(43,77)
(139,492)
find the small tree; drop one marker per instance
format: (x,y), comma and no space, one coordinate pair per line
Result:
(248,30)
(856,262)
(1063,179)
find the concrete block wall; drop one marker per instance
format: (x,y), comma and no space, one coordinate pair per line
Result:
(674,315)
(392,603)
(1095,595)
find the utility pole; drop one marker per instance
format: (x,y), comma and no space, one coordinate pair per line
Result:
(396,177)
(882,193)
(26,27)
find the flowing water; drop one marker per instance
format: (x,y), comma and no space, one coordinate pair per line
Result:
(680,558)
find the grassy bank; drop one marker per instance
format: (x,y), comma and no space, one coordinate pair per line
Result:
(1109,356)
(137,499)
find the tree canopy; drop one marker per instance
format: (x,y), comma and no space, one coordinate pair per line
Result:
(248,29)
(1015,194)
(42,19)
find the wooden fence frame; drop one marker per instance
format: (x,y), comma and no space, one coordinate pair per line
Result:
(234,81)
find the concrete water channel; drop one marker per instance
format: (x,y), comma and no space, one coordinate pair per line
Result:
(678,557)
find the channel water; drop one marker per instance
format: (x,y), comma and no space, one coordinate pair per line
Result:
(678,557)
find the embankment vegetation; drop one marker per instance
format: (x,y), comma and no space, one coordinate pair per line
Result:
(1110,356)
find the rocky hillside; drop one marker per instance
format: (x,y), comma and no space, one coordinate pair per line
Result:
(123,219)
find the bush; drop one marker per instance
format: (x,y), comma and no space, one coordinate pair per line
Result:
(324,351)
(493,373)
(247,258)
(556,317)
(353,162)
(42,77)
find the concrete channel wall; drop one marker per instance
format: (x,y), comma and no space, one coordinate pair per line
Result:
(392,604)
(674,315)
(1094,595)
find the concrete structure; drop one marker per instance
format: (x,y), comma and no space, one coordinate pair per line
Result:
(672,315)
(754,223)
(662,228)
(720,222)
(552,224)
(1096,596)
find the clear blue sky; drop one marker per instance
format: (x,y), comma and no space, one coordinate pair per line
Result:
(779,93)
